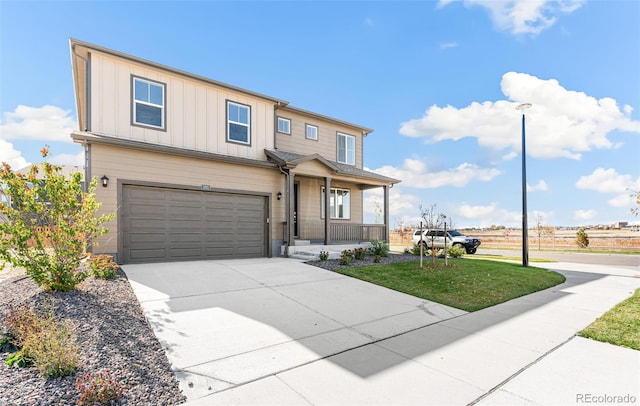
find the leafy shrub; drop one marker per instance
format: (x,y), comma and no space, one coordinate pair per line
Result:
(359,253)
(415,249)
(456,251)
(582,239)
(99,388)
(324,255)
(49,223)
(45,342)
(376,258)
(103,266)
(379,248)
(19,359)
(346,257)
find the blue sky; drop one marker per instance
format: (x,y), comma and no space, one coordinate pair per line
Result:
(438,81)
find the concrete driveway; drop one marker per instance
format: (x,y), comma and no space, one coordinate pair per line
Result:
(227,323)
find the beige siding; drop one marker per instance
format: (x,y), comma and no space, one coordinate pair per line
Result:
(326,145)
(133,165)
(195,111)
(310,206)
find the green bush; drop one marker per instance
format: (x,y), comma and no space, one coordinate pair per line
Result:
(346,257)
(49,223)
(379,248)
(359,253)
(46,343)
(582,239)
(99,388)
(103,266)
(19,359)
(324,255)
(456,251)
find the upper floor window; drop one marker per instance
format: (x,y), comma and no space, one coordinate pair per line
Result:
(284,125)
(311,132)
(346,149)
(148,103)
(238,123)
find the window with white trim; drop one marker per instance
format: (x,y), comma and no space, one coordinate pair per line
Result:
(284,125)
(311,132)
(148,103)
(339,204)
(346,149)
(238,123)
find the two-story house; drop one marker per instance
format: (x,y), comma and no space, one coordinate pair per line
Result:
(199,169)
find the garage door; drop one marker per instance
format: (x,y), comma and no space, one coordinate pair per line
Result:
(162,224)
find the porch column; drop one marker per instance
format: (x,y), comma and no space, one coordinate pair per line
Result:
(386,213)
(290,210)
(327,211)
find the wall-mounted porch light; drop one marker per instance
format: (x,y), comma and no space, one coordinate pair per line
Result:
(279,195)
(105,180)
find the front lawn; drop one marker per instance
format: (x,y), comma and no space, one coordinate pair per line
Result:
(619,326)
(466,284)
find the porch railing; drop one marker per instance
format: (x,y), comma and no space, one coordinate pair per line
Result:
(341,232)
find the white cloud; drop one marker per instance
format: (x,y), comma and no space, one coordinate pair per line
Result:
(523,16)
(610,181)
(622,200)
(584,214)
(607,181)
(400,204)
(561,123)
(541,186)
(448,45)
(68,159)
(415,173)
(485,216)
(47,123)
(11,156)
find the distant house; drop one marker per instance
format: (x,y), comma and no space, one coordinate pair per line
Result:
(199,169)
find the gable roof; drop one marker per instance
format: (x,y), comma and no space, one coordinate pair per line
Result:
(291,160)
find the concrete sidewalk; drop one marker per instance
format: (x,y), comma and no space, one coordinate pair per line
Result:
(520,352)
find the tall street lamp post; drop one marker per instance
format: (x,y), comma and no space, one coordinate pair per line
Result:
(525,228)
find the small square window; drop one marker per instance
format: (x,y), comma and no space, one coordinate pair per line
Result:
(238,123)
(284,125)
(311,132)
(148,103)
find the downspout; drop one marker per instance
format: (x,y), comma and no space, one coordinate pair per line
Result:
(287,211)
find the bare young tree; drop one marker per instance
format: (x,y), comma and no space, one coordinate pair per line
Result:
(432,220)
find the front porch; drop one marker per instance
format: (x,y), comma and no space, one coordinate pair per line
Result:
(344,236)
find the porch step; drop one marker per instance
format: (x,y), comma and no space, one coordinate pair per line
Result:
(312,252)
(299,243)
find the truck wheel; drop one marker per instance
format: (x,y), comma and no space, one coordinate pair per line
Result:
(472,251)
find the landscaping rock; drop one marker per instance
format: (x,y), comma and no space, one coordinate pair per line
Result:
(112,334)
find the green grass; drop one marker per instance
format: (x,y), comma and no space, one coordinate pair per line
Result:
(619,326)
(466,284)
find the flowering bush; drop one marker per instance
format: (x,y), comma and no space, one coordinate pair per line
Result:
(103,266)
(46,223)
(99,388)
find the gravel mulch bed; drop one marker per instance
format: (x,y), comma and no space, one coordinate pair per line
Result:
(112,334)
(334,264)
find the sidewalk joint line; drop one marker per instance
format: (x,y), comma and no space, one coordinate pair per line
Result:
(521,370)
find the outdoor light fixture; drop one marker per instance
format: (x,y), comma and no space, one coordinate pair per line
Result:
(105,180)
(525,228)
(279,195)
